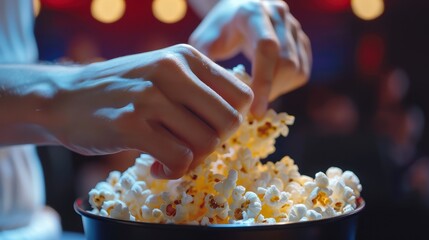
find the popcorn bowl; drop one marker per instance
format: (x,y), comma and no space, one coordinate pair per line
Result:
(342,227)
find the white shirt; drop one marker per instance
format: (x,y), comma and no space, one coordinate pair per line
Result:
(18,44)
(22,195)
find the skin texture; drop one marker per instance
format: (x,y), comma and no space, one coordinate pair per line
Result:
(174,103)
(267,33)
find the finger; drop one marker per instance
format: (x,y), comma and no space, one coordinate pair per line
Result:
(213,40)
(290,47)
(305,52)
(233,90)
(189,129)
(286,28)
(215,36)
(299,63)
(289,66)
(200,99)
(173,154)
(265,47)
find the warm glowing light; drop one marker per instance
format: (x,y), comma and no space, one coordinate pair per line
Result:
(169,11)
(368,9)
(107,11)
(36,7)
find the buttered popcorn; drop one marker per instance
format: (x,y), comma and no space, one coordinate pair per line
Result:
(231,185)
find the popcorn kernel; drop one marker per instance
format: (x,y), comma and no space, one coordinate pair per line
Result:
(231,185)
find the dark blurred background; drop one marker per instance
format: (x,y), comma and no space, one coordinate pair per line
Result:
(364,109)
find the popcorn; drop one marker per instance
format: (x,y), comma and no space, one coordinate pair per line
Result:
(352,181)
(217,206)
(342,195)
(321,180)
(297,212)
(319,197)
(113,178)
(231,185)
(313,215)
(274,198)
(334,172)
(244,206)
(329,212)
(143,164)
(116,209)
(252,205)
(150,211)
(98,197)
(225,187)
(151,215)
(126,181)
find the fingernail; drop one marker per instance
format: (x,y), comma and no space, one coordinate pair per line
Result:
(217,142)
(240,118)
(157,170)
(166,170)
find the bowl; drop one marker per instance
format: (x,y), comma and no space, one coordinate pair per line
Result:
(98,227)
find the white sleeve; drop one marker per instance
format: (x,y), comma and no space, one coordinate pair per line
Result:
(21,185)
(23,214)
(18,44)
(44,225)
(22,194)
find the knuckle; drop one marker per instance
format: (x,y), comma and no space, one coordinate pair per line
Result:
(169,61)
(294,22)
(152,91)
(291,64)
(235,120)
(281,7)
(268,46)
(185,50)
(252,8)
(154,101)
(246,95)
(209,143)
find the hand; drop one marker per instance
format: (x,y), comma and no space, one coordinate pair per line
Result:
(267,33)
(174,104)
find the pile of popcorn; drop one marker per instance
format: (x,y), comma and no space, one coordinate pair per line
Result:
(231,185)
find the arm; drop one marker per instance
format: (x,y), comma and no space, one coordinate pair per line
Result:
(173,103)
(26,96)
(267,33)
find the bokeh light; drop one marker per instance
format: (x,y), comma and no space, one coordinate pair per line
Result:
(108,11)
(36,7)
(368,9)
(370,53)
(169,11)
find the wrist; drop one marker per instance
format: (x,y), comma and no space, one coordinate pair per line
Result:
(28,108)
(49,108)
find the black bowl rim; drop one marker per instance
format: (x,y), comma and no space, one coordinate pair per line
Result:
(84,213)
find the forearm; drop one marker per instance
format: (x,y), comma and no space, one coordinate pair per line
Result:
(27,93)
